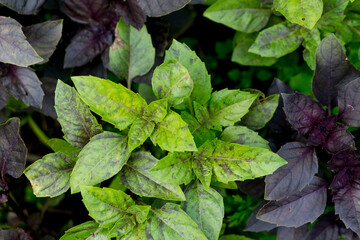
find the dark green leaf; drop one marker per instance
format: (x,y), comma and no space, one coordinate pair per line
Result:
(12,149)
(241,15)
(136,176)
(113,102)
(44,37)
(81,232)
(276,41)
(106,205)
(172,223)
(227,107)
(196,68)
(175,168)
(205,207)
(261,112)
(23,6)
(50,176)
(303,12)
(132,53)
(100,159)
(14,47)
(172,134)
(172,81)
(311,42)
(244,136)
(241,54)
(75,118)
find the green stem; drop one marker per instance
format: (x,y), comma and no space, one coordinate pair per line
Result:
(38,132)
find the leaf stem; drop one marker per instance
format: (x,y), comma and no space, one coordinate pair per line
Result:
(38,132)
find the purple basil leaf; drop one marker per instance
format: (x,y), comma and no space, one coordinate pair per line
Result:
(302,112)
(4,96)
(157,8)
(333,70)
(44,37)
(342,159)
(12,149)
(84,11)
(86,45)
(339,139)
(348,234)
(15,234)
(252,187)
(321,131)
(298,209)
(295,175)
(349,103)
(94,68)
(196,1)
(326,228)
(14,49)
(285,233)
(48,86)
(256,225)
(347,205)
(130,12)
(25,7)
(278,122)
(23,83)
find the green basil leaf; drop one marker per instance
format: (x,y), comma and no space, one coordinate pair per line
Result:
(122,227)
(202,165)
(136,176)
(231,161)
(50,176)
(311,42)
(171,222)
(106,205)
(100,159)
(172,134)
(132,53)
(156,111)
(138,233)
(175,168)
(241,54)
(81,232)
(113,102)
(303,12)
(276,41)
(171,80)
(60,145)
(196,68)
(141,212)
(244,136)
(333,14)
(261,112)
(241,15)
(139,131)
(205,207)
(75,118)
(227,107)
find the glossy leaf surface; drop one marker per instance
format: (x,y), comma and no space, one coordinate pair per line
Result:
(100,159)
(303,12)
(44,37)
(298,209)
(171,222)
(136,176)
(75,118)
(241,15)
(244,136)
(295,175)
(132,53)
(113,102)
(50,176)
(172,134)
(12,149)
(172,81)
(276,41)
(106,205)
(205,207)
(196,68)
(14,48)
